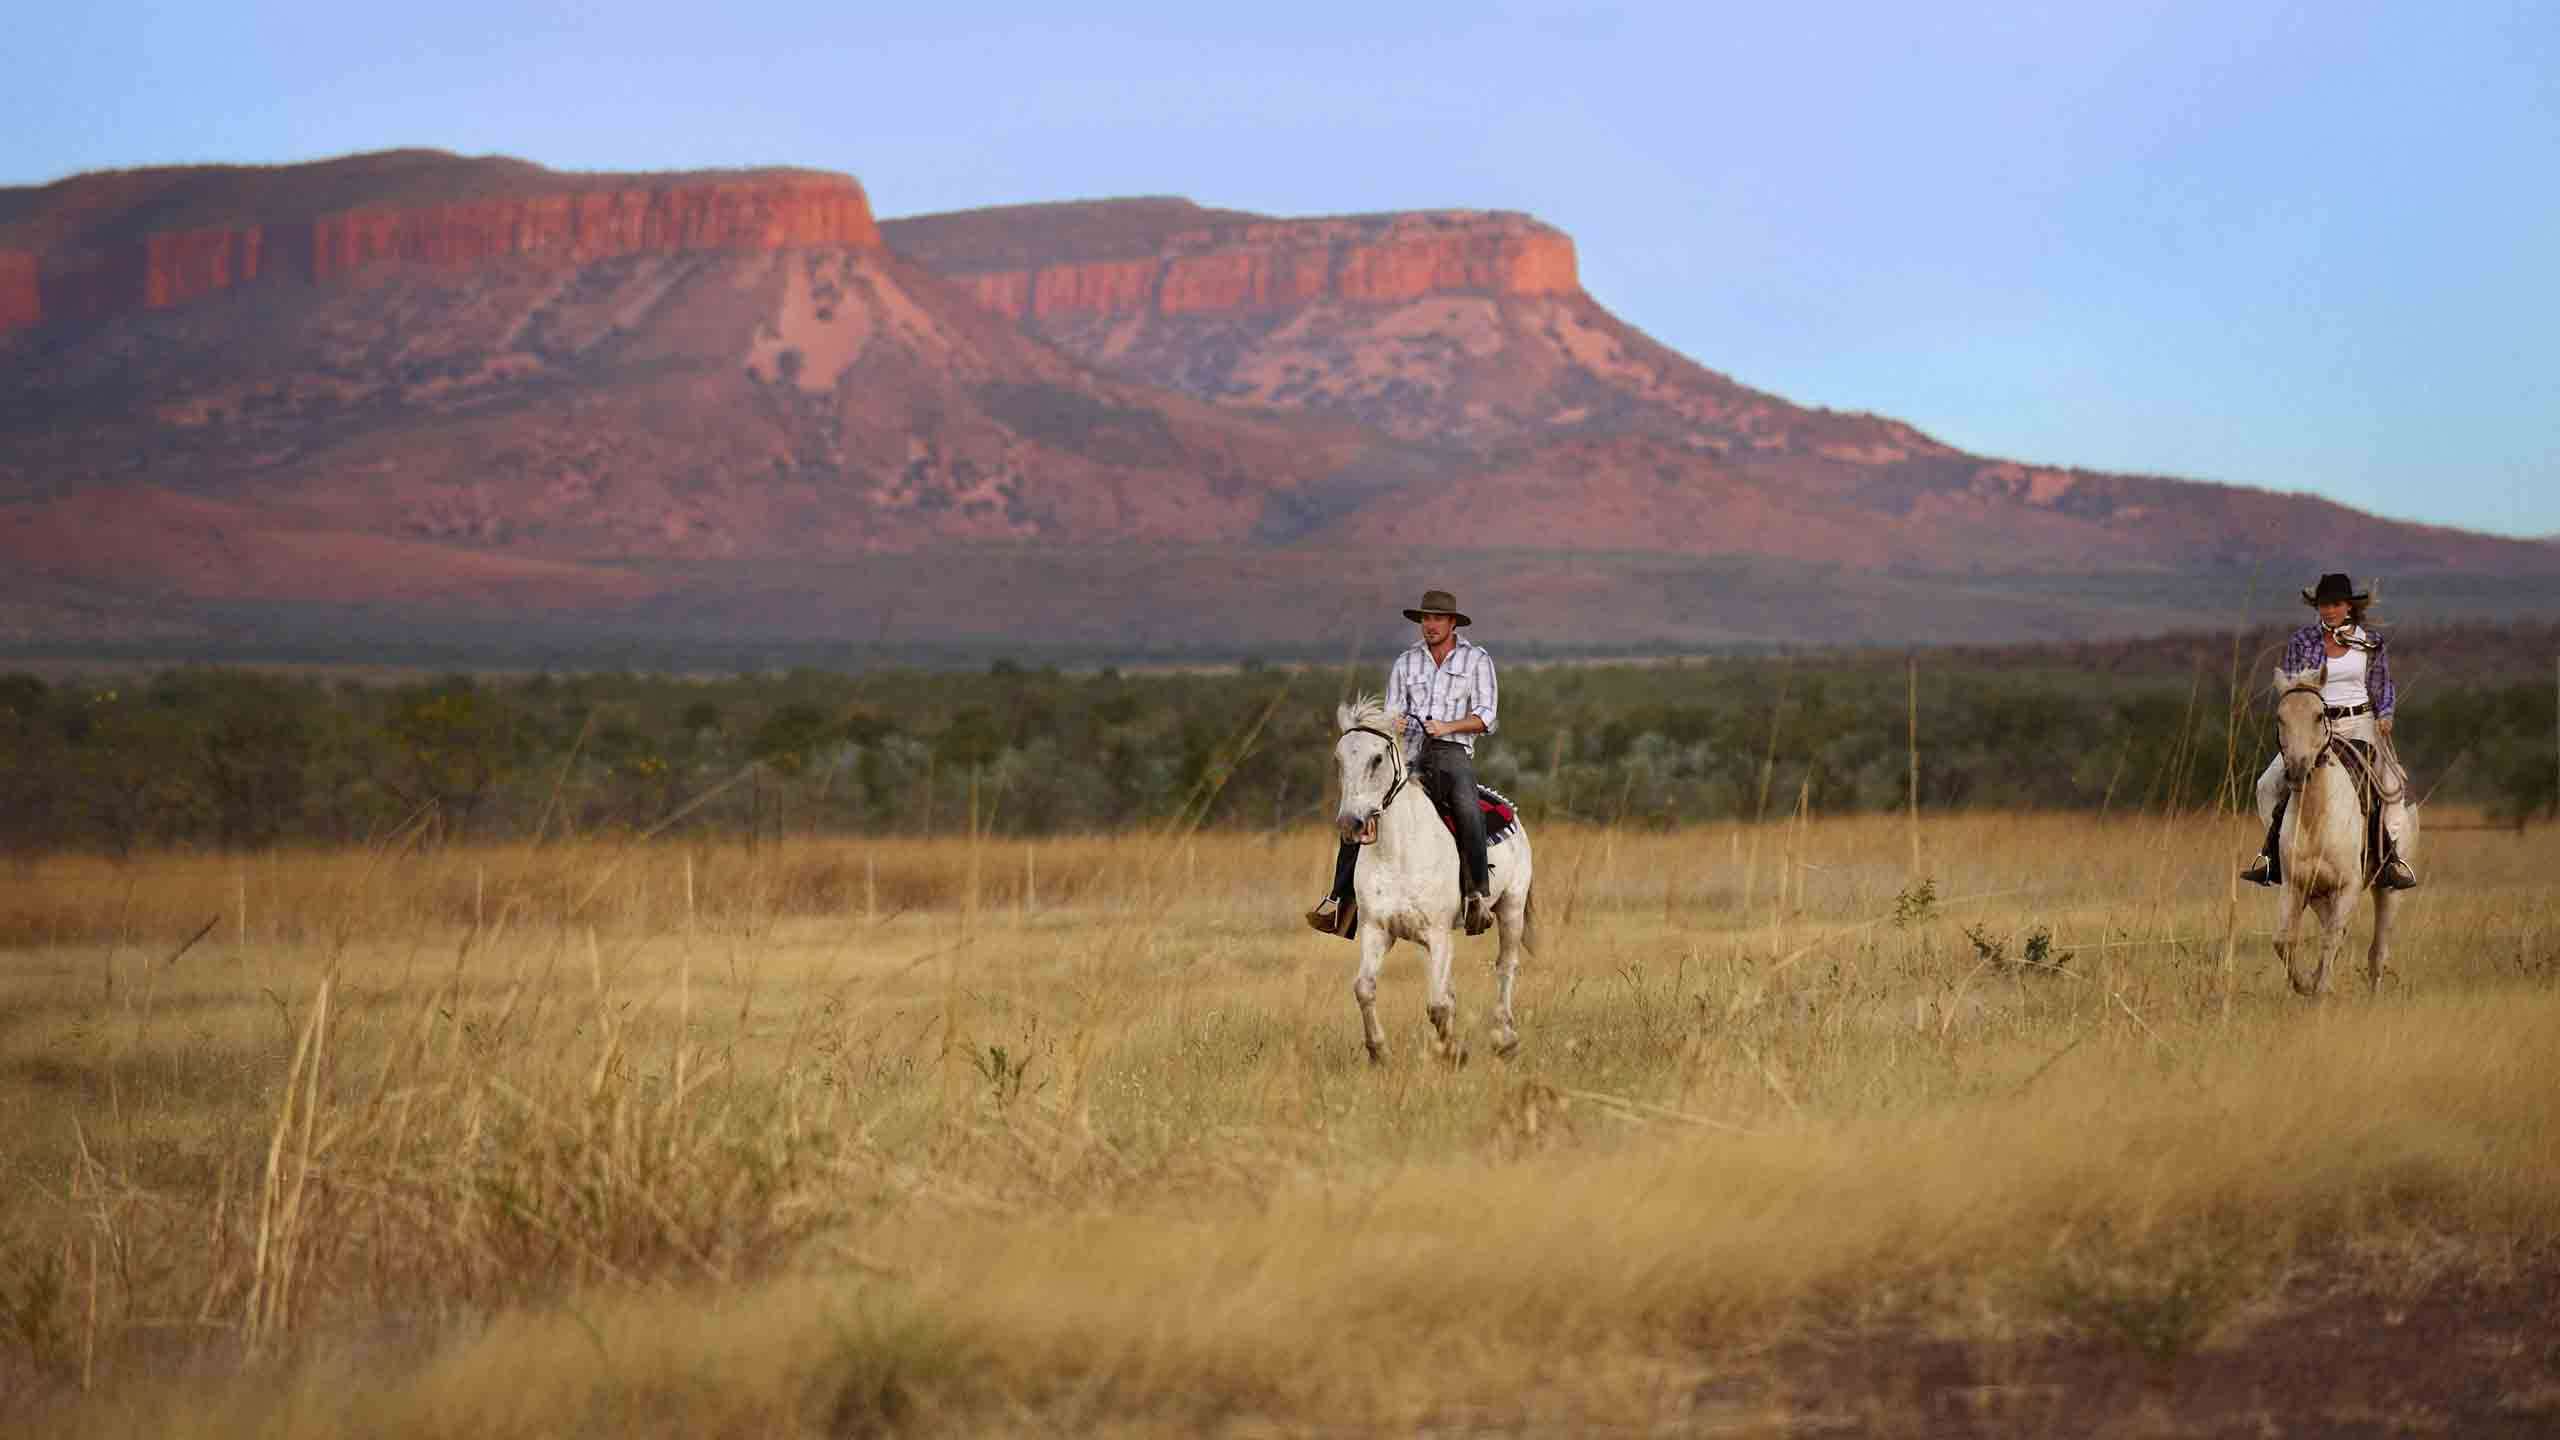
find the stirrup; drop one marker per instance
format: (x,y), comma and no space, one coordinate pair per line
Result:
(1333,916)
(2397,875)
(1479,917)
(2263,873)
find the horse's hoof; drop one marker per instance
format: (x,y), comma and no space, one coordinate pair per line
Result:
(1506,1046)
(1377,1053)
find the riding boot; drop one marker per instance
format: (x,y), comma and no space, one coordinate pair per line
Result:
(1339,912)
(2270,870)
(2396,873)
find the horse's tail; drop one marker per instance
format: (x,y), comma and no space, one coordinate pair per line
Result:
(1529,919)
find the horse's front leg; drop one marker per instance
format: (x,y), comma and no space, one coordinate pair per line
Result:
(2377,958)
(1441,953)
(1374,941)
(2288,918)
(2336,909)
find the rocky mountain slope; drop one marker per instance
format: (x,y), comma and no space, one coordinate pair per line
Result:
(561,399)
(415,393)
(1469,331)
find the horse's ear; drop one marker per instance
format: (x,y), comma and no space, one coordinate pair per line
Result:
(2296,680)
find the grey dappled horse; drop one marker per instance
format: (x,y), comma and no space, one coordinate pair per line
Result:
(1407,881)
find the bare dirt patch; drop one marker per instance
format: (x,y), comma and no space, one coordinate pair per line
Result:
(2331,1354)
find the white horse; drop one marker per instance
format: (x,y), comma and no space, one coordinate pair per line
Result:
(2326,864)
(1407,881)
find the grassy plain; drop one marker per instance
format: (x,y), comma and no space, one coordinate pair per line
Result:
(941,1137)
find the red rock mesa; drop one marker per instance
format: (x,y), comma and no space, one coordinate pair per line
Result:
(93,246)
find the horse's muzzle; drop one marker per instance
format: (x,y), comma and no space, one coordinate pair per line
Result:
(1359,828)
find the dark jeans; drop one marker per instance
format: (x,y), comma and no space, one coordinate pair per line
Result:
(1447,772)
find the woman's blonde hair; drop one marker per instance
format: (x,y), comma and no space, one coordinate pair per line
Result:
(2357,610)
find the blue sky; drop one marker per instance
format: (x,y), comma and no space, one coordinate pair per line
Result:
(2303,246)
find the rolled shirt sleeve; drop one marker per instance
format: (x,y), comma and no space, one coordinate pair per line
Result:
(1487,701)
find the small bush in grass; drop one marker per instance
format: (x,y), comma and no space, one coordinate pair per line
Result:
(2162,1298)
(35,1291)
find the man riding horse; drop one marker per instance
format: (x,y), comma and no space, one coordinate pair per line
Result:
(2358,696)
(1443,695)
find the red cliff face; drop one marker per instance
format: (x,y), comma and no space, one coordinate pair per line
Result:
(183,265)
(596,224)
(1279,264)
(172,267)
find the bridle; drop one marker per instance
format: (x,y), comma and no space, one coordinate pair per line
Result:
(2328,731)
(2329,744)
(1395,749)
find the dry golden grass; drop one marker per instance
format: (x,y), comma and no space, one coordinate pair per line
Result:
(840,1137)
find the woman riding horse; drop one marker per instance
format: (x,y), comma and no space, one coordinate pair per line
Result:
(2358,696)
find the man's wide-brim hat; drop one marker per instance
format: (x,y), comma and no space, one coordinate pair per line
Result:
(1438,602)
(2336,587)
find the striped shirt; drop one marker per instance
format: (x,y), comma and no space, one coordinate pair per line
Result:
(2304,652)
(1452,691)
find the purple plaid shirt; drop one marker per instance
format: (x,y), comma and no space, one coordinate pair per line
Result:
(2304,652)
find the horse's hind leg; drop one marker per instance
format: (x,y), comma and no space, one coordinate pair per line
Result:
(1443,990)
(1514,915)
(1374,940)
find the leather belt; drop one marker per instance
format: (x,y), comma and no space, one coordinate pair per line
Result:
(2349,712)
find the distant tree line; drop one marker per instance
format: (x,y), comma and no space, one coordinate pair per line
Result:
(237,758)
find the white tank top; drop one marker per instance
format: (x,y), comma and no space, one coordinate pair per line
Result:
(2342,685)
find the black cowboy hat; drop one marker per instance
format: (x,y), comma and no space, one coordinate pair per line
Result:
(1438,602)
(2336,587)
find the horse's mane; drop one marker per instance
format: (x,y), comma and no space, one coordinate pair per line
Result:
(1366,709)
